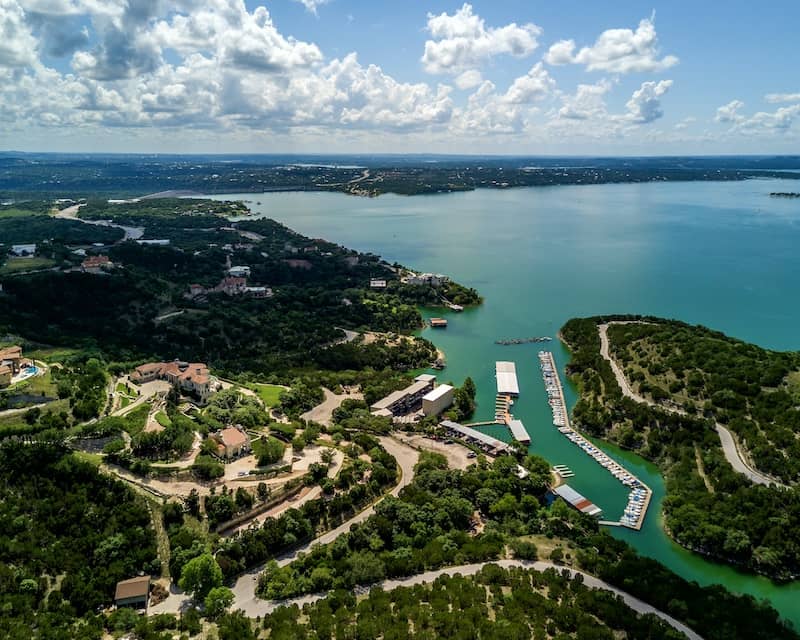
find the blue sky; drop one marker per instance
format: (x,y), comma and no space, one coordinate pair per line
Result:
(301,76)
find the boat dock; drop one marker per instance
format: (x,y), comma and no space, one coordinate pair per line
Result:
(506,374)
(563,471)
(490,445)
(640,494)
(577,500)
(518,431)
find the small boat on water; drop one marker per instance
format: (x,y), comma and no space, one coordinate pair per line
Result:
(438,323)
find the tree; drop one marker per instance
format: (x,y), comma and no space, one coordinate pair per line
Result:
(200,575)
(217,601)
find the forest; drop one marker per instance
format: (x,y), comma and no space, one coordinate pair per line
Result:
(709,507)
(68,535)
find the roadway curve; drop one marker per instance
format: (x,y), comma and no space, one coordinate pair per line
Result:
(729,447)
(244,589)
(253,608)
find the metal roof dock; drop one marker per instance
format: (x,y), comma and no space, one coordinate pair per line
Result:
(518,431)
(506,373)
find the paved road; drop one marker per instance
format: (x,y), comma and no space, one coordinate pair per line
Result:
(263,607)
(323,412)
(729,448)
(244,589)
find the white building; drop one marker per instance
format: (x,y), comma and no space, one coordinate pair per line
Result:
(159,243)
(436,401)
(429,279)
(377,283)
(239,272)
(23,250)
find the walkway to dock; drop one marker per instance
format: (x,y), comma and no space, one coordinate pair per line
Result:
(640,495)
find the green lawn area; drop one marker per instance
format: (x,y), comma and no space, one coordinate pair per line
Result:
(124,401)
(136,420)
(16,265)
(38,386)
(163,419)
(270,394)
(92,458)
(13,212)
(51,354)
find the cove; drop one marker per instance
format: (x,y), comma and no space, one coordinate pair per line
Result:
(722,254)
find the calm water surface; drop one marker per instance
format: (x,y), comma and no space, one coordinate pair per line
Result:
(721,254)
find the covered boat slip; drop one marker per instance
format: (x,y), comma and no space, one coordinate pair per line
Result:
(506,373)
(577,500)
(486,442)
(518,431)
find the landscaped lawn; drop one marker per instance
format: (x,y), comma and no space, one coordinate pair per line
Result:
(163,419)
(13,212)
(15,265)
(270,394)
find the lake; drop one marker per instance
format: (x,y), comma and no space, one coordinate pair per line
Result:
(722,254)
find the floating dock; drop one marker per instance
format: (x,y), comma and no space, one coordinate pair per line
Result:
(506,374)
(640,494)
(438,323)
(575,499)
(563,470)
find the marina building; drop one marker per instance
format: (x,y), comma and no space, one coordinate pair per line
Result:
(436,401)
(405,401)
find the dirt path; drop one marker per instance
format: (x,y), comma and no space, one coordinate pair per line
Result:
(726,438)
(698,458)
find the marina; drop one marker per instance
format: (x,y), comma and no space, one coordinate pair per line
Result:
(576,500)
(506,374)
(640,494)
(563,471)
(490,445)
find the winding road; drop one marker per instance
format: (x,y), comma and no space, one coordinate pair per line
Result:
(729,447)
(244,589)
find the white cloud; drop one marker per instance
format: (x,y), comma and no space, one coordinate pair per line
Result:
(779,121)
(729,112)
(312,5)
(470,79)
(17,44)
(782,97)
(615,51)
(536,84)
(462,41)
(645,103)
(587,103)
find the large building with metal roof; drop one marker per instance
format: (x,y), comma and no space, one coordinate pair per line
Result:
(506,374)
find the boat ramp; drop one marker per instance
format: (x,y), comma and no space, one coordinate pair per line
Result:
(640,494)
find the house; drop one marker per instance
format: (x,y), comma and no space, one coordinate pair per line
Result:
(157,242)
(231,442)
(134,592)
(405,401)
(239,272)
(232,286)
(377,283)
(193,378)
(258,292)
(23,250)
(10,364)
(96,264)
(195,290)
(429,279)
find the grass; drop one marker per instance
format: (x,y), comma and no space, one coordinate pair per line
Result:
(136,420)
(13,212)
(124,401)
(163,419)
(92,458)
(38,386)
(270,394)
(17,265)
(51,354)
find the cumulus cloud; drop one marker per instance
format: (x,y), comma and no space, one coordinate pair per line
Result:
(616,51)
(17,44)
(588,102)
(469,79)
(729,112)
(645,103)
(312,5)
(462,41)
(782,97)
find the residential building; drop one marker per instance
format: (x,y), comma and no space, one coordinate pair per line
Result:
(239,272)
(232,286)
(195,290)
(193,378)
(429,279)
(96,264)
(258,292)
(436,401)
(23,250)
(156,242)
(10,364)
(377,283)
(134,592)
(231,442)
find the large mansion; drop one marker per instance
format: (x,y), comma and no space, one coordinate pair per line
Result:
(191,377)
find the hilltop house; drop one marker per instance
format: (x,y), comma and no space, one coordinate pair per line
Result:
(193,378)
(96,264)
(134,592)
(231,442)
(23,250)
(430,279)
(10,364)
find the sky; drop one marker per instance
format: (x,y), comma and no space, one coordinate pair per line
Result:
(523,77)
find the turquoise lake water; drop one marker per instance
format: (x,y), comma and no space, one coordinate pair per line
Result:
(723,254)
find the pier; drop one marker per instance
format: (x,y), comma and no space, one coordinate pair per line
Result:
(640,494)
